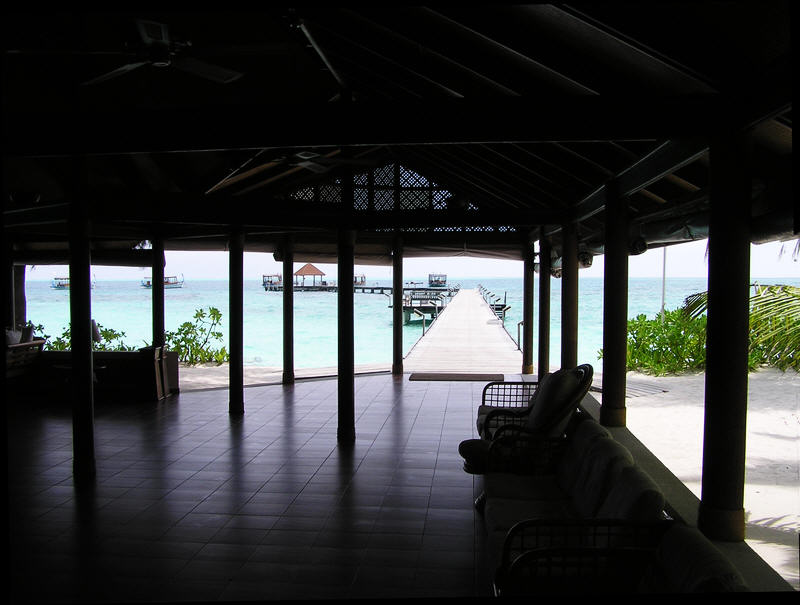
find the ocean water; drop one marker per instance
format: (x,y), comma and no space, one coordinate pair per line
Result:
(126,307)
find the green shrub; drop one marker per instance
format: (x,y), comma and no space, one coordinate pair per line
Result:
(111,340)
(193,340)
(676,343)
(669,344)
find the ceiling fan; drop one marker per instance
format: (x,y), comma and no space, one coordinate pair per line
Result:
(157,49)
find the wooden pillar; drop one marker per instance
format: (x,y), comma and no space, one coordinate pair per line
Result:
(569,295)
(615,308)
(544,305)
(346,431)
(8,290)
(397,307)
(9,306)
(288,313)
(527,307)
(82,374)
(158,291)
(20,301)
(236,330)
(721,512)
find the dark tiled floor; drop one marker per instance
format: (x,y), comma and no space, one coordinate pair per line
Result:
(193,504)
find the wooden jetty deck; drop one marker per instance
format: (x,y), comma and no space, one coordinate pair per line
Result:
(467,338)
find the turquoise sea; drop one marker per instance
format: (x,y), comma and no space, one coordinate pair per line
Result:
(126,307)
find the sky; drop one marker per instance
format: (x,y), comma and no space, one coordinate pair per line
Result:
(683,260)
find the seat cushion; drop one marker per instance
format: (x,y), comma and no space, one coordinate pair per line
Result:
(557,399)
(503,513)
(596,476)
(576,451)
(634,496)
(522,487)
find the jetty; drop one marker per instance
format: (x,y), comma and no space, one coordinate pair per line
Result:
(467,338)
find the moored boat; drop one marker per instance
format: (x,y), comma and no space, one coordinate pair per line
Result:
(169,282)
(62,283)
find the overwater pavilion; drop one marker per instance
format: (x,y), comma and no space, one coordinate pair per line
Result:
(308,270)
(544,133)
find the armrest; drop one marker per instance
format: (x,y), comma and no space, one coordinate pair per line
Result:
(499,417)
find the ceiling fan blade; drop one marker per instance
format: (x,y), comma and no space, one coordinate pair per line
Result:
(152,32)
(206,70)
(312,166)
(114,73)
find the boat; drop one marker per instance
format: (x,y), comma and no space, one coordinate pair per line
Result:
(272,283)
(359,280)
(437,280)
(169,282)
(62,283)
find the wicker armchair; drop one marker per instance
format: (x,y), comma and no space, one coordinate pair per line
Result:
(514,438)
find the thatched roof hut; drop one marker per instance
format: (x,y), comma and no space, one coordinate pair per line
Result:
(306,270)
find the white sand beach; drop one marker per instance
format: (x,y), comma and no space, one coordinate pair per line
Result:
(670,424)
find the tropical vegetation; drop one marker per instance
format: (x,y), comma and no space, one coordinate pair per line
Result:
(195,341)
(674,341)
(110,340)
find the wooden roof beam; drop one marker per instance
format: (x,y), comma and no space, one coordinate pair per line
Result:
(497,120)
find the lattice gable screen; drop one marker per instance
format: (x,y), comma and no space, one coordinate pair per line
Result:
(384,188)
(388,188)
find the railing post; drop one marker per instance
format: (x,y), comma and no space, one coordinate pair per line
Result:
(544,305)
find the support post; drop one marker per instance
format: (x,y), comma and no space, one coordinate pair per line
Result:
(721,512)
(236,329)
(82,374)
(288,313)
(527,307)
(569,295)
(346,431)
(615,308)
(20,300)
(158,291)
(9,312)
(397,307)
(544,305)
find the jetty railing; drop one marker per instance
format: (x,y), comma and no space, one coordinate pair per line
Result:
(499,308)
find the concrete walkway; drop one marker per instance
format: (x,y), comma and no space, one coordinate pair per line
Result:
(466,338)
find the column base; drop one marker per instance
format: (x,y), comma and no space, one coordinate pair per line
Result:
(721,524)
(613,416)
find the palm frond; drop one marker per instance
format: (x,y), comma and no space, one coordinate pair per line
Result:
(774,322)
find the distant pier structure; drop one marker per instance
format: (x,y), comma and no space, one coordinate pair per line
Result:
(429,300)
(274,283)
